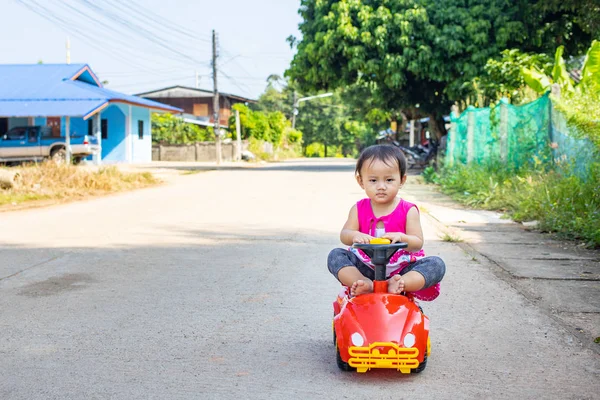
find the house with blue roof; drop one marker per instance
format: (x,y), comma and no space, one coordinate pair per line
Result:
(70,96)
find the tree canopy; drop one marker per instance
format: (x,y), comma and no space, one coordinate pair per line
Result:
(416,53)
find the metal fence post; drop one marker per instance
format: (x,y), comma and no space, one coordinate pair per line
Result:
(503,129)
(470,134)
(452,135)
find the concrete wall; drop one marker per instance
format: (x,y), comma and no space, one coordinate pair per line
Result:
(202,151)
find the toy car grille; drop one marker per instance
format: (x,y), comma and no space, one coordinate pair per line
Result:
(383,355)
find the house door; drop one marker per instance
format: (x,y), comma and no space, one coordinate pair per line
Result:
(54,123)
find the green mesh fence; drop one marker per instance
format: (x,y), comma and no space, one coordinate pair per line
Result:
(578,153)
(516,136)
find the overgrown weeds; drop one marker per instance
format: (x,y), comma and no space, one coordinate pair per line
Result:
(562,202)
(49,181)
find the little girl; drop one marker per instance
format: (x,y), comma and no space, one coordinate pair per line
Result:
(381,172)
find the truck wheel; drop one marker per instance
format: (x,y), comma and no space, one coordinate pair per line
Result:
(77,160)
(59,156)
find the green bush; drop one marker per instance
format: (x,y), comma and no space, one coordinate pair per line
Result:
(270,127)
(582,111)
(169,129)
(562,202)
(430,175)
(285,151)
(315,150)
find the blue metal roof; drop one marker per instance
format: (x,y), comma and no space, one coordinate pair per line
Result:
(43,90)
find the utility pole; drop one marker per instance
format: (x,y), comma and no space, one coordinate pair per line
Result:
(197,80)
(68,50)
(238,136)
(68,140)
(216,98)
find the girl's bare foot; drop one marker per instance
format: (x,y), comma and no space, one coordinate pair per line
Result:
(361,287)
(396,284)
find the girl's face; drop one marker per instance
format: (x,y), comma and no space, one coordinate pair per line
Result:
(381,181)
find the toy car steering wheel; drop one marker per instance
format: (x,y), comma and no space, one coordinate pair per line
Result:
(380,253)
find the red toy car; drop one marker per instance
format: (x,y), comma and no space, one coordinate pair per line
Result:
(379,329)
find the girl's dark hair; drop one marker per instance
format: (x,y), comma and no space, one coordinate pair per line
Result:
(382,152)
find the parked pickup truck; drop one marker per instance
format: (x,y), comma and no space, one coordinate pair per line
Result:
(35,143)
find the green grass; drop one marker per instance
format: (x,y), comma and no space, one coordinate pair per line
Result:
(51,182)
(447,237)
(563,203)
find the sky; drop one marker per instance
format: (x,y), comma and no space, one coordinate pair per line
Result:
(143,45)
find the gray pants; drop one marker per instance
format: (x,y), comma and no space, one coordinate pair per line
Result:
(432,268)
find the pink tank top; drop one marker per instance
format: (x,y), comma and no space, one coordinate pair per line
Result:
(393,222)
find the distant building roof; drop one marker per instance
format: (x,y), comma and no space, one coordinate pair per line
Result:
(186,91)
(44,90)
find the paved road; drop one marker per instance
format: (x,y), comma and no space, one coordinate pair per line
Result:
(214,286)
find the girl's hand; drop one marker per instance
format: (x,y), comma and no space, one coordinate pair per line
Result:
(395,237)
(362,238)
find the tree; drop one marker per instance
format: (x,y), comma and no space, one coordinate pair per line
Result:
(167,128)
(503,78)
(270,127)
(278,96)
(580,103)
(320,121)
(412,55)
(343,122)
(561,19)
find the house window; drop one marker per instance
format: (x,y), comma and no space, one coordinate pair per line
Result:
(224,115)
(3,125)
(91,127)
(104,128)
(140,129)
(200,110)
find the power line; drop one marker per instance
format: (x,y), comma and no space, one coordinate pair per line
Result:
(238,64)
(122,49)
(53,18)
(154,81)
(129,48)
(138,30)
(234,82)
(153,72)
(71,18)
(160,22)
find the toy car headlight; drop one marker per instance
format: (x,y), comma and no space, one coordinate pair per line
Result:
(357,339)
(409,340)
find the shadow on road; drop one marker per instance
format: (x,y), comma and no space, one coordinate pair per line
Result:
(308,165)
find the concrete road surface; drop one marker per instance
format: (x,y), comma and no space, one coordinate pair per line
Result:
(214,286)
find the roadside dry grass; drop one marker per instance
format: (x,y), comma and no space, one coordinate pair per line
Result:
(47,183)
